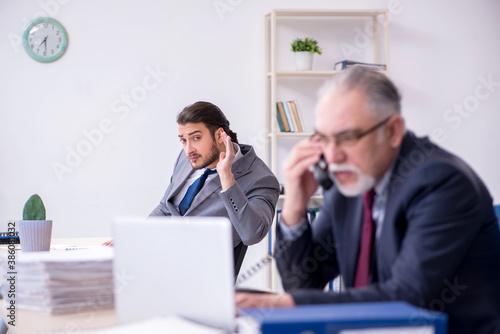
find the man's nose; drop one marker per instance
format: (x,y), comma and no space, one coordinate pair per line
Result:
(334,153)
(188,148)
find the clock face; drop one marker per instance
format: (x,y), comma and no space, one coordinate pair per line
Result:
(45,39)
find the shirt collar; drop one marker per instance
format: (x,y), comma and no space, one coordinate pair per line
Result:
(382,187)
(238,154)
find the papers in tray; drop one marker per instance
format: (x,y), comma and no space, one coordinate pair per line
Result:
(61,282)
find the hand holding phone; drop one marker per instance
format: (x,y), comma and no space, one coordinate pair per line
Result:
(320,173)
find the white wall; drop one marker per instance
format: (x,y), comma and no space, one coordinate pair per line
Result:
(441,55)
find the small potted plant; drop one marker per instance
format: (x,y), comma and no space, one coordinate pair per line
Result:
(304,50)
(35,231)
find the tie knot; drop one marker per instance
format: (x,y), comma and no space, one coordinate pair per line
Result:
(209,171)
(368,197)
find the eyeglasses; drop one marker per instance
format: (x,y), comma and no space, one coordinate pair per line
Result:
(345,139)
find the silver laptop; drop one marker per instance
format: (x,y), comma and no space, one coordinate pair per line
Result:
(174,265)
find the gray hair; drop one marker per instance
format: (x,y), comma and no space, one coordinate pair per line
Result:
(383,98)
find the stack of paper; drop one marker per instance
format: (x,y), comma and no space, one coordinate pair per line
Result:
(61,282)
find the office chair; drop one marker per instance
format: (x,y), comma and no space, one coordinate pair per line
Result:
(497,211)
(239,254)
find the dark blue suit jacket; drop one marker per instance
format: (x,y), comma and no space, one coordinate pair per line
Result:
(439,247)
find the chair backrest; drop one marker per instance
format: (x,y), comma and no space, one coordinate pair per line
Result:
(239,254)
(497,211)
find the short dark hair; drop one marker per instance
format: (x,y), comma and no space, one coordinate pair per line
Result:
(208,114)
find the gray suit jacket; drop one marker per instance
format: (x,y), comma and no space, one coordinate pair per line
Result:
(249,204)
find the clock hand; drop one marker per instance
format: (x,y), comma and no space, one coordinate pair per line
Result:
(44,41)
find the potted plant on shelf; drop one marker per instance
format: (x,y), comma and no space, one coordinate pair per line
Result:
(34,230)
(304,50)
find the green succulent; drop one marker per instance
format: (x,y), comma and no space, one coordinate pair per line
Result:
(34,209)
(307,44)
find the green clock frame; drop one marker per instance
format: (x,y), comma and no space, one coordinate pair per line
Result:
(41,58)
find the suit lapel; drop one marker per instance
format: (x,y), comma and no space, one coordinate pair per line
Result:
(179,179)
(386,249)
(352,235)
(242,166)
(208,189)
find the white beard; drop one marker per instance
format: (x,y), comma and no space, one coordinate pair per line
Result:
(364,183)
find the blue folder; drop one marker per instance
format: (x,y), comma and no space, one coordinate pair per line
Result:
(332,318)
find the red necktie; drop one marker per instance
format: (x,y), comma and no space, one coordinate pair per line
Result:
(367,233)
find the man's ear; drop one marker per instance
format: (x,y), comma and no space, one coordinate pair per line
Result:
(395,131)
(218,137)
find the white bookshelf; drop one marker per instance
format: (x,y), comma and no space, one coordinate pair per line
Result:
(365,31)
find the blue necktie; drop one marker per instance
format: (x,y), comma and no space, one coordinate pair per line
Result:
(193,190)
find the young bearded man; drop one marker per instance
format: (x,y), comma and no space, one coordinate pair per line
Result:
(237,184)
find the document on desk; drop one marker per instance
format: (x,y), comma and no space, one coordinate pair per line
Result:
(62,282)
(158,325)
(351,318)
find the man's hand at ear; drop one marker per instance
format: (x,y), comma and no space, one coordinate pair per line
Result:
(225,163)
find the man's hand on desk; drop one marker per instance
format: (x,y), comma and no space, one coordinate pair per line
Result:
(248,299)
(108,243)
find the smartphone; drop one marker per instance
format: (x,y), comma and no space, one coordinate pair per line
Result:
(320,173)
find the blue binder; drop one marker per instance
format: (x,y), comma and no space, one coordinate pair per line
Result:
(332,318)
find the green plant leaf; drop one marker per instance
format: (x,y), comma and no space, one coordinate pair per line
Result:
(307,44)
(34,209)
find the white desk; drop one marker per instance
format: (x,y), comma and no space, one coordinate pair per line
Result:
(31,322)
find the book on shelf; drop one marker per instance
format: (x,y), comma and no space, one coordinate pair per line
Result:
(301,120)
(345,64)
(289,116)
(295,115)
(281,117)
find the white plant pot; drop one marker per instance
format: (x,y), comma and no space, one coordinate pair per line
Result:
(303,61)
(35,235)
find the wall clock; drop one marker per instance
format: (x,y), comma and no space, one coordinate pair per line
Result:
(45,39)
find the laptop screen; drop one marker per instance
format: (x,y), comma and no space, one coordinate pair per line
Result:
(174,265)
